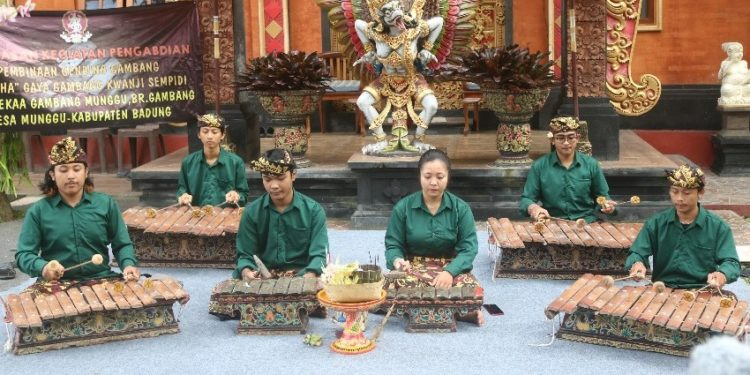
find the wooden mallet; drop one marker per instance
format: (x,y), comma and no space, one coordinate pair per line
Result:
(96,259)
(609,281)
(577,224)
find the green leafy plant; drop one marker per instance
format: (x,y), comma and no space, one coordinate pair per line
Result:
(510,68)
(279,71)
(11,165)
(11,162)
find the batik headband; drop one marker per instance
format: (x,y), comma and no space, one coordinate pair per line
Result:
(687,177)
(266,166)
(211,120)
(66,151)
(562,125)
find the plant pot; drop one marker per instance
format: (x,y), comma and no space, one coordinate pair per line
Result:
(287,111)
(514,110)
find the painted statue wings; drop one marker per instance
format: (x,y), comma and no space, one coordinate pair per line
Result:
(454,39)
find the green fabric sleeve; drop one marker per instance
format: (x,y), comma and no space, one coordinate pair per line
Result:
(318,242)
(641,249)
(242,188)
(122,247)
(467,246)
(29,242)
(247,244)
(395,236)
(182,181)
(532,191)
(726,255)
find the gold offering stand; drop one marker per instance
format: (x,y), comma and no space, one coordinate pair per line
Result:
(353,339)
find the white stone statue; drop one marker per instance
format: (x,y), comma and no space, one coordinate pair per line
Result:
(734,76)
(393,41)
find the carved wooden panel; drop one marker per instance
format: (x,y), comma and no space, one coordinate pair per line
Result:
(615,21)
(591,24)
(226,75)
(489,24)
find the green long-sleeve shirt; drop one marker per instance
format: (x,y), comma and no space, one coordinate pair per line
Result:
(450,233)
(295,238)
(568,193)
(52,230)
(683,257)
(209,184)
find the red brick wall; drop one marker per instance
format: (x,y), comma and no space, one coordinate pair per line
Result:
(688,49)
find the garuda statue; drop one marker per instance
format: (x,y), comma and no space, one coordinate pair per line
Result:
(399,40)
(398,45)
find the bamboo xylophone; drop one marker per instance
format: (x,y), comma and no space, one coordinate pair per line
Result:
(93,313)
(643,318)
(559,250)
(184,236)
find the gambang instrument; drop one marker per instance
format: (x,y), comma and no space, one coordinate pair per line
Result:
(184,236)
(93,312)
(645,318)
(559,250)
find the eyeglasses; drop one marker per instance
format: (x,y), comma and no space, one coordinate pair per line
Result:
(562,138)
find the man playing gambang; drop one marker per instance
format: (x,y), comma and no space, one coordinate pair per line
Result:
(73,225)
(564,183)
(283,227)
(212,176)
(691,247)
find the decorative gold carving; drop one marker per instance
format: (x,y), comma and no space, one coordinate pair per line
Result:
(449,94)
(226,48)
(489,25)
(628,97)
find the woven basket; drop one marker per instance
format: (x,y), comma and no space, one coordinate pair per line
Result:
(354,292)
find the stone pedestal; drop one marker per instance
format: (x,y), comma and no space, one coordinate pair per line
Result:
(381,182)
(732,143)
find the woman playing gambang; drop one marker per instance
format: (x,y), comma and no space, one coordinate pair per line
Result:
(431,234)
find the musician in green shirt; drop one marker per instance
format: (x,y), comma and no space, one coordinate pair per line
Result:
(564,183)
(431,234)
(283,227)
(432,223)
(72,224)
(212,176)
(690,246)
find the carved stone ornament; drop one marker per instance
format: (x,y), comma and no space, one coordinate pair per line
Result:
(734,76)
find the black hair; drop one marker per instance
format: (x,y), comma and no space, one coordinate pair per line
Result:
(48,186)
(432,155)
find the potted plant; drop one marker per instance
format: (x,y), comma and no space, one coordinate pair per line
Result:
(515,84)
(288,87)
